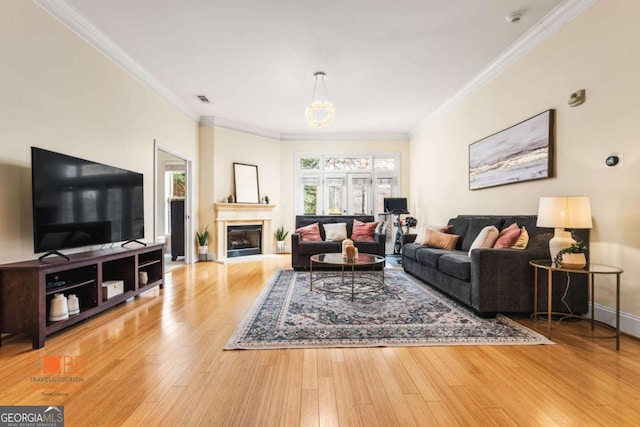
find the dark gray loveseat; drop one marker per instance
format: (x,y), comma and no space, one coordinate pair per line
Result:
(302,251)
(494,280)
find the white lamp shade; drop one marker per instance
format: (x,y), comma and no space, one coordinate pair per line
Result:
(564,212)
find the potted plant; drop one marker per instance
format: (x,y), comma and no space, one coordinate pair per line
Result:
(572,257)
(280,234)
(203,242)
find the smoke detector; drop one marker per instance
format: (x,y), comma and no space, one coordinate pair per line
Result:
(514,18)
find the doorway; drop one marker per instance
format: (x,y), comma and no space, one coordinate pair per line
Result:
(172,202)
(348,194)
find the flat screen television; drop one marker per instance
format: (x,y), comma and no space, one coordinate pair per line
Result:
(395,205)
(78,202)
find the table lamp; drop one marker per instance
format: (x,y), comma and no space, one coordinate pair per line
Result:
(563,212)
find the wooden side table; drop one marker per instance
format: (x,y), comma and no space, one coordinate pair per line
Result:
(591,270)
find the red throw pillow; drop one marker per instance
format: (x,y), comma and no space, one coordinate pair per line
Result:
(363,231)
(309,233)
(508,237)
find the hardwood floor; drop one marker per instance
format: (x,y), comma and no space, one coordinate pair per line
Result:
(158,360)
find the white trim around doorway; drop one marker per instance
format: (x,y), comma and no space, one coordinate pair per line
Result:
(189,254)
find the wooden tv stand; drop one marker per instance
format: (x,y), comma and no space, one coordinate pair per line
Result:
(25,297)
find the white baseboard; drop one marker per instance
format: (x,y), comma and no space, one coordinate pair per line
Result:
(629,323)
(246,258)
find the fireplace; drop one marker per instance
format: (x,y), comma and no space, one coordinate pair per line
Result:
(230,216)
(244,240)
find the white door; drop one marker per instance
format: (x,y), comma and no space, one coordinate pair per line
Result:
(359,194)
(335,194)
(348,194)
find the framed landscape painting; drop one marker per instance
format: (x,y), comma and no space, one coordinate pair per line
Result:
(522,152)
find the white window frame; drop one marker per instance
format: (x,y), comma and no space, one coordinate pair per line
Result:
(322,174)
(351,176)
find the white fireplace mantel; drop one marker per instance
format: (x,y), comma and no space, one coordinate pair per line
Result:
(229,214)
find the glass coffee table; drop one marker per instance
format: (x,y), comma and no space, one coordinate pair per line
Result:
(335,282)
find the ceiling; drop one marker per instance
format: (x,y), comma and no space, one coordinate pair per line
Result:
(389,64)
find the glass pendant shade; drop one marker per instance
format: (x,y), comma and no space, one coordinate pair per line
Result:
(321,111)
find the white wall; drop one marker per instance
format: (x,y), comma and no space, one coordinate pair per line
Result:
(231,146)
(207,195)
(60,94)
(598,52)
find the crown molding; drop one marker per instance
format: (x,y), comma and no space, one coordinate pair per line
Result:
(239,127)
(211,121)
(207,121)
(549,25)
(344,136)
(70,17)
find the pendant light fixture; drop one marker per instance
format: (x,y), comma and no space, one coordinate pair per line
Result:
(320,112)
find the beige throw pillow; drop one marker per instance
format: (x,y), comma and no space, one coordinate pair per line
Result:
(422,231)
(437,239)
(523,240)
(335,232)
(487,237)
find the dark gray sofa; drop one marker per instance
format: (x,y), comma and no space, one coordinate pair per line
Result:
(494,280)
(302,251)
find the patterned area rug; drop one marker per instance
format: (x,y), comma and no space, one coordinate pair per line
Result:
(287,314)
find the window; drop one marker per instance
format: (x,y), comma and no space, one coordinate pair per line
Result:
(336,195)
(347,163)
(345,183)
(384,188)
(385,164)
(310,188)
(175,185)
(310,163)
(359,194)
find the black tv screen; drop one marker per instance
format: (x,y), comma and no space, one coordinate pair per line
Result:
(396,205)
(78,202)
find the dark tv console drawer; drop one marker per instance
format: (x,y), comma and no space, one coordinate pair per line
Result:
(26,288)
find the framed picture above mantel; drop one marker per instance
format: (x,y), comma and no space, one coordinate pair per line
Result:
(522,152)
(245,180)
